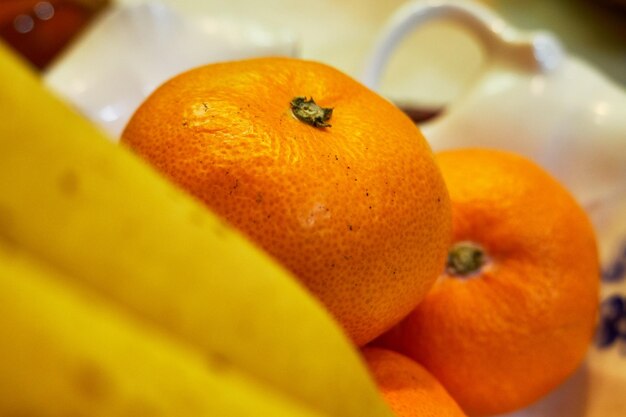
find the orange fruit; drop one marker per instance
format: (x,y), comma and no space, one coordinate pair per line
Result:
(513,314)
(408,388)
(350,200)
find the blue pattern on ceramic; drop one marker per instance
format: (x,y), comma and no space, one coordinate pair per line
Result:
(616,269)
(612,325)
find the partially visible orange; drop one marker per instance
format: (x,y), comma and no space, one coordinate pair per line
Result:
(408,388)
(357,210)
(513,315)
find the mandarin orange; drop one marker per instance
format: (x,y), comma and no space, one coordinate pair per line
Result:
(513,314)
(328,177)
(408,388)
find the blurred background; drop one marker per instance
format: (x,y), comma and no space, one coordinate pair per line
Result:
(430,68)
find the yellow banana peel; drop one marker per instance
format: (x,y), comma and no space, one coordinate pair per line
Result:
(107,221)
(66,352)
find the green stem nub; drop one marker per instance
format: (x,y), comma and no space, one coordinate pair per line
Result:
(465,258)
(309,112)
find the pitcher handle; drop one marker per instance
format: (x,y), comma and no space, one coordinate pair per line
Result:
(535,51)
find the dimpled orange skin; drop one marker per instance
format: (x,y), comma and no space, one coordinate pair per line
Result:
(357,211)
(408,388)
(505,337)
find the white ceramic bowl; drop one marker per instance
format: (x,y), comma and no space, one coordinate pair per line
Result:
(132,49)
(527,99)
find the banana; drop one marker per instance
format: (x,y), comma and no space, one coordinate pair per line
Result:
(109,222)
(65,352)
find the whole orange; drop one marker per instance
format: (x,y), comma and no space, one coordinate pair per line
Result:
(408,388)
(514,313)
(328,177)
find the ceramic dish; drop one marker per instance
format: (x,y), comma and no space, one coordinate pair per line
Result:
(133,48)
(529,95)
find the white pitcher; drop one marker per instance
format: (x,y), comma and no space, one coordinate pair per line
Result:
(532,98)
(535,99)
